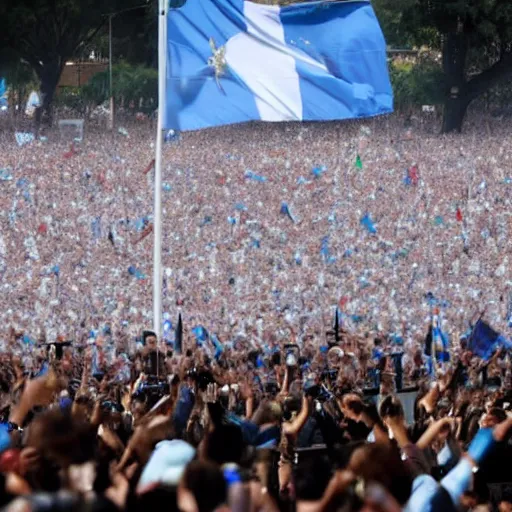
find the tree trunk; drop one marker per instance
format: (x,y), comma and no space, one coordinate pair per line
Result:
(454,113)
(455,48)
(49,76)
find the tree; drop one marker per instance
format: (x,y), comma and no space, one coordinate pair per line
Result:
(136,87)
(134,35)
(47,33)
(19,76)
(474,36)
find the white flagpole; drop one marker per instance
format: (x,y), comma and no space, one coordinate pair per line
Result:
(157,222)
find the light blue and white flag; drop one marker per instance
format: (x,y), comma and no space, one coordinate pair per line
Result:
(3,93)
(440,339)
(232,61)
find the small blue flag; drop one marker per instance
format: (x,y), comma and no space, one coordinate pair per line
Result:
(484,340)
(96,228)
(201,334)
(285,210)
(5,438)
(255,177)
(368,224)
(440,340)
(135,272)
(318,171)
(3,93)
(217,345)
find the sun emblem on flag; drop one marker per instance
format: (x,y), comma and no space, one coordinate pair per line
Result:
(218,60)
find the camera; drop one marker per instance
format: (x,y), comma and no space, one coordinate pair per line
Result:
(113,407)
(154,389)
(201,377)
(271,388)
(317,391)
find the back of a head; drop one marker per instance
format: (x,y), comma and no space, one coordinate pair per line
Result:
(153,499)
(391,407)
(225,444)
(383,465)
(205,481)
(62,438)
(498,413)
(271,412)
(311,477)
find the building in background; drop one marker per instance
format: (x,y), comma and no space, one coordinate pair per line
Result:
(78,73)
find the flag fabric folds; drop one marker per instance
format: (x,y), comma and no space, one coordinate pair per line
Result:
(233,61)
(484,340)
(201,335)
(3,93)
(440,340)
(437,339)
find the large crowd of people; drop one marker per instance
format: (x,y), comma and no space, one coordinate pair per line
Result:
(75,247)
(269,230)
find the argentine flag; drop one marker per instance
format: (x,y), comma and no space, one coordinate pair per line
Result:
(233,61)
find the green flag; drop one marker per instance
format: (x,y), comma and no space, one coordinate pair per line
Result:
(359,163)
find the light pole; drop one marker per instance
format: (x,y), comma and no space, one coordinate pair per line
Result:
(110,78)
(110,82)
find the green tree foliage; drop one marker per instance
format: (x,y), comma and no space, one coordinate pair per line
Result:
(134,35)
(19,76)
(135,89)
(47,33)
(474,36)
(416,83)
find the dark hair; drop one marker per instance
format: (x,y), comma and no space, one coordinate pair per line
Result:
(62,438)
(146,335)
(356,406)
(225,444)
(153,499)
(372,412)
(290,405)
(276,359)
(206,482)
(311,477)
(5,497)
(383,464)
(506,496)
(498,413)
(391,407)
(139,396)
